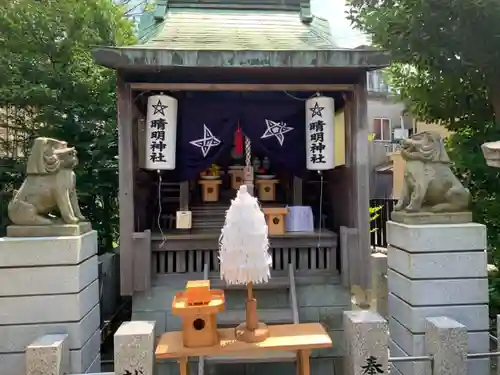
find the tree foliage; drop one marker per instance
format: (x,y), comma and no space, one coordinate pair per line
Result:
(49,86)
(446,67)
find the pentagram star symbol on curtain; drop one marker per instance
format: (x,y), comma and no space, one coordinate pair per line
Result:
(207,142)
(276,129)
(316,110)
(159,108)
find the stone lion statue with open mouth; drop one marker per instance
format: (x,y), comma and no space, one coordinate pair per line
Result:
(49,186)
(429,184)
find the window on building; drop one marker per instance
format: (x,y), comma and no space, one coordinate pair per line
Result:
(382,129)
(375,82)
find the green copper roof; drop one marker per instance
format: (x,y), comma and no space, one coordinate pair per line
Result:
(222,35)
(236,30)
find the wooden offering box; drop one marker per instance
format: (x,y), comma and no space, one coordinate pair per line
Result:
(275,218)
(236,177)
(197,306)
(267,189)
(210,190)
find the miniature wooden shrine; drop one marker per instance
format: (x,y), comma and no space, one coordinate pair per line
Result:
(275,218)
(267,189)
(198,306)
(210,190)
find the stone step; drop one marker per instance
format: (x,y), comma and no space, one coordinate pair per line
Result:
(230,318)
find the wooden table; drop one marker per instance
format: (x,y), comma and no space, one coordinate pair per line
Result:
(288,337)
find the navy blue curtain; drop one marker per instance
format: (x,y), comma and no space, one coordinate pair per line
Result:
(276,127)
(205,132)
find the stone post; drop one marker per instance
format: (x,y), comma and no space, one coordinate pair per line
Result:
(49,285)
(446,342)
(134,348)
(48,355)
(436,270)
(379,282)
(366,340)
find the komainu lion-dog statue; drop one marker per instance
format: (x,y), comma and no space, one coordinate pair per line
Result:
(429,185)
(49,186)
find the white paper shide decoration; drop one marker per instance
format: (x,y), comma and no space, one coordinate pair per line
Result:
(320,122)
(244,244)
(161,132)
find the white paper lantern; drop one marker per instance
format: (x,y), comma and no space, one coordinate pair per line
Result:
(320,122)
(161,133)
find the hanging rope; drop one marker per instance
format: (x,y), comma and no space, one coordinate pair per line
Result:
(248,151)
(164,238)
(320,207)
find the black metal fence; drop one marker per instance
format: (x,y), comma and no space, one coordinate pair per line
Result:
(379,230)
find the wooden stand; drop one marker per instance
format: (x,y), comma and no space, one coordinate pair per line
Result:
(302,338)
(252,330)
(210,190)
(236,178)
(267,189)
(275,217)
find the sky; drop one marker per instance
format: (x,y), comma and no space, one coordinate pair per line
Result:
(342,31)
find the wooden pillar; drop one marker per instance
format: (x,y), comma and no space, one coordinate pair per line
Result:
(361,170)
(126,185)
(184,196)
(297,191)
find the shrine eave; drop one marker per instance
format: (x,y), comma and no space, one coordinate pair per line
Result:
(133,58)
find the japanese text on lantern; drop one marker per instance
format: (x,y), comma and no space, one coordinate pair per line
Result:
(317,134)
(157,130)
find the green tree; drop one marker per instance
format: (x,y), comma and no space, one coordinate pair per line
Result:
(49,86)
(446,57)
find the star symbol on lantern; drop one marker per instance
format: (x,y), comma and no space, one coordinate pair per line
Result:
(316,110)
(276,129)
(207,142)
(159,108)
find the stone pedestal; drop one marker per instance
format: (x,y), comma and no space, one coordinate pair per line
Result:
(436,270)
(49,285)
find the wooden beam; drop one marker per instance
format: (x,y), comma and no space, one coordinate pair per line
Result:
(238,87)
(361,155)
(126,185)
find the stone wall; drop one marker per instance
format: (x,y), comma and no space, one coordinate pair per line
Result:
(366,341)
(49,285)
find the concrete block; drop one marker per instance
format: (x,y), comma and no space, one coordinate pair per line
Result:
(29,281)
(134,347)
(438,292)
(15,338)
(474,317)
(82,359)
(49,308)
(446,341)
(366,339)
(47,251)
(48,355)
(414,343)
(436,237)
(159,317)
(438,265)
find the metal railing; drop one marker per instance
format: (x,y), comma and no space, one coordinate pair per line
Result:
(430,358)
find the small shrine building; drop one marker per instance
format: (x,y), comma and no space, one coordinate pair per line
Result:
(221,93)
